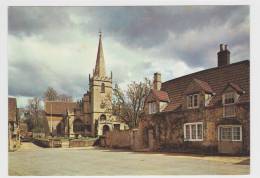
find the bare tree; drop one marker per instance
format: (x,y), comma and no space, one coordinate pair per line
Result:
(51,94)
(35,115)
(129,105)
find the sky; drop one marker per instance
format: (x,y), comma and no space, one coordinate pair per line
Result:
(57,46)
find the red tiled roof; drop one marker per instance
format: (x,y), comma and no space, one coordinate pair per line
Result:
(161,95)
(236,87)
(197,85)
(12,109)
(217,78)
(59,107)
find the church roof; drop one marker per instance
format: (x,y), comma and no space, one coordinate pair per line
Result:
(59,107)
(100,62)
(217,78)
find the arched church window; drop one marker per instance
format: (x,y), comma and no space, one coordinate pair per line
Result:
(102,88)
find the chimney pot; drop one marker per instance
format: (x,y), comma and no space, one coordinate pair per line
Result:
(221,47)
(225,47)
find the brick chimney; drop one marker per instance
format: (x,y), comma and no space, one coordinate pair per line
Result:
(157,81)
(223,56)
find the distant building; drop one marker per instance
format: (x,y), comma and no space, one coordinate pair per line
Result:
(93,114)
(13,125)
(206,111)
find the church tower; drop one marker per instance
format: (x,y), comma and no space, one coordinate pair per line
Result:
(100,87)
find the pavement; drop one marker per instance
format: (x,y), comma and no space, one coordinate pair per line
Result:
(33,160)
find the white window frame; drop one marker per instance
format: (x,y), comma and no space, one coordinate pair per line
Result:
(232,135)
(228,104)
(152,108)
(196,124)
(224,98)
(193,98)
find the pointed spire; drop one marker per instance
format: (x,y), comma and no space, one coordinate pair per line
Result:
(100,62)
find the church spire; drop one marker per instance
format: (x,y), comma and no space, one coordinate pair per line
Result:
(100,62)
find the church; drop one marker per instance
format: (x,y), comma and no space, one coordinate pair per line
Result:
(92,115)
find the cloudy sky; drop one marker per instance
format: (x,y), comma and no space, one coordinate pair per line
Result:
(57,46)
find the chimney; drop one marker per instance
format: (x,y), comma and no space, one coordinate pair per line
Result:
(157,81)
(223,56)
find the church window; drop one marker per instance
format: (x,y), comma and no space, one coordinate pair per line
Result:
(102,88)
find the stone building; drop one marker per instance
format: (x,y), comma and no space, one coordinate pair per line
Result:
(92,115)
(13,125)
(206,111)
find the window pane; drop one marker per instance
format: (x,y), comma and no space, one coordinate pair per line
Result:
(193,131)
(236,133)
(190,101)
(226,133)
(229,98)
(195,101)
(199,127)
(187,128)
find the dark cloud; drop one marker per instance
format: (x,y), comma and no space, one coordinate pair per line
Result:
(32,79)
(191,34)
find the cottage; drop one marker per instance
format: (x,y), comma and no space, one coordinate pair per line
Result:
(206,111)
(13,125)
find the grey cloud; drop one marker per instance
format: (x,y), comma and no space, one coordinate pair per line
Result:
(147,29)
(35,20)
(32,79)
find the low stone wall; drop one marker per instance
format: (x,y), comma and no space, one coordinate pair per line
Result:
(47,143)
(82,143)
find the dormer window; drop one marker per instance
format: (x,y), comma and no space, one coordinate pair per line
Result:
(152,108)
(193,101)
(229,98)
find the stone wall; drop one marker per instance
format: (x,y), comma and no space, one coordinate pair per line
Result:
(118,139)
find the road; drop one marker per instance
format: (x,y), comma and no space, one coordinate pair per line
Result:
(33,160)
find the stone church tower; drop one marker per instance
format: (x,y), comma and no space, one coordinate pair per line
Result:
(100,87)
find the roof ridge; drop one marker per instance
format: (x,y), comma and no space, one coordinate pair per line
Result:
(213,68)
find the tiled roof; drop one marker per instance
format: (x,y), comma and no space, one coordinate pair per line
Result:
(161,95)
(217,78)
(236,87)
(12,108)
(197,85)
(59,107)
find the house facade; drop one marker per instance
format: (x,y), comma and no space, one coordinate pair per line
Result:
(13,125)
(206,111)
(92,115)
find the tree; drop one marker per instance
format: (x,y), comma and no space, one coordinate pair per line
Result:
(35,116)
(129,105)
(51,94)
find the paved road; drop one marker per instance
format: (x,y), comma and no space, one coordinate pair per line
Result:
(32,160)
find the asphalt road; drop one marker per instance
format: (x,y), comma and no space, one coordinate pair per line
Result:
(33,160)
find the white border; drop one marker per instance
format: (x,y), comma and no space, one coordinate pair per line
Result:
(254,61)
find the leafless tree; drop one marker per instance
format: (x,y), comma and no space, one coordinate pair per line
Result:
(36,115)
(51,94)
(129,105)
